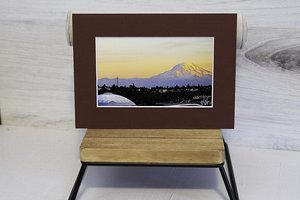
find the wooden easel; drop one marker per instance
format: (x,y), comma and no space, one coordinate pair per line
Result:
(157,147)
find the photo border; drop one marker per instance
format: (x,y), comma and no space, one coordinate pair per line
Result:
(220,26)
(177,107)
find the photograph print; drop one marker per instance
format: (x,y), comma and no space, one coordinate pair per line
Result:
(154,71)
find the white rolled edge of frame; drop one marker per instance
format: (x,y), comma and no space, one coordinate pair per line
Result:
(69,28)
(241,36)
(241,31)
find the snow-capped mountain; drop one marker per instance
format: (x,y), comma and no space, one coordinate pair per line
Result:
(184,70)
(181,74)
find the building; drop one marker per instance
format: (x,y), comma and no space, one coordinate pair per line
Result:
(110,99)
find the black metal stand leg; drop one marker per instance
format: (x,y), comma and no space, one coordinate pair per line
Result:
(77,182)
(230,171)
(227,184)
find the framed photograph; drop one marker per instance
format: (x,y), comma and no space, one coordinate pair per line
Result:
(158,72)
(154,70)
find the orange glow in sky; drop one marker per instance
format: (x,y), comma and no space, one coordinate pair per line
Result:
(143,57)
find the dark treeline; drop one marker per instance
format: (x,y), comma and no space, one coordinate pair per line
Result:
(157,96)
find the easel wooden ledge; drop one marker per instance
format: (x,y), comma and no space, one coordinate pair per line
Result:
(203,148)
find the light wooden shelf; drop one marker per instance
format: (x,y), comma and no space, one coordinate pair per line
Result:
(163,147)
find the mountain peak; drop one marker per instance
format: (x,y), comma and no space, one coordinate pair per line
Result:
(181,75)
(188,69)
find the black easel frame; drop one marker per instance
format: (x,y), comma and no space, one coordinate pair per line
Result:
(230,183)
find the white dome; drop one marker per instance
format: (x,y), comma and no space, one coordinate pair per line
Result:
(110,99)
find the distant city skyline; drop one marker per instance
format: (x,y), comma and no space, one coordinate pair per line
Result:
(143,57)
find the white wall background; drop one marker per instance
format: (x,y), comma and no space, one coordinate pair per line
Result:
(39,146)
(36,69)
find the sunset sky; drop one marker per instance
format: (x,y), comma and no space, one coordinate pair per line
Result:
(143,57)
